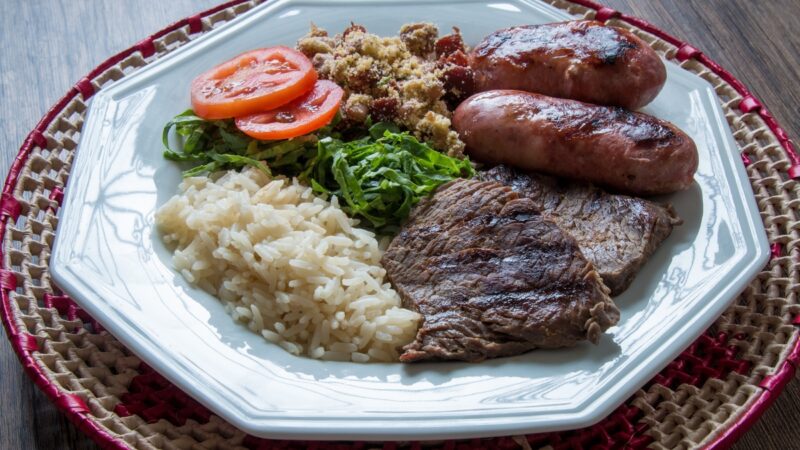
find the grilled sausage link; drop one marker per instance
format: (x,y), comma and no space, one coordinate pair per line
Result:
(581,60)
(626,151)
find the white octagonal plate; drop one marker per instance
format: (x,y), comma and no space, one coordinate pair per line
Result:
(109,258)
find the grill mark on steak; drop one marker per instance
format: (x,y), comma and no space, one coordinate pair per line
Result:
(617,233)
(492,277)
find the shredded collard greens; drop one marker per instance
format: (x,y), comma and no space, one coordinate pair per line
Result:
(379,175)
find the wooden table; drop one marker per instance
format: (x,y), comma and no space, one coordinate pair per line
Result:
(47,45)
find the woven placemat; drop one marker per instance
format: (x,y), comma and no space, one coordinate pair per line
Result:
(707,397)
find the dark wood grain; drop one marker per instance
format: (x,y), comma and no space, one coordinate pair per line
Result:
(47,45)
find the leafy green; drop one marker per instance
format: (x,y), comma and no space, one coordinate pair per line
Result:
(212,145)
(380,175)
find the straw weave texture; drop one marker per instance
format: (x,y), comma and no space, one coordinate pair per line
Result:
(683,407)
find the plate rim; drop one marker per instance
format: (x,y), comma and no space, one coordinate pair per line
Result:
(65,275)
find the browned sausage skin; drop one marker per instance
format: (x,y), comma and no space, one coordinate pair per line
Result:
(581,60)
(626,151)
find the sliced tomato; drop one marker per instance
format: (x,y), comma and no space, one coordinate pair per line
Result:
(302,116)
(254,81)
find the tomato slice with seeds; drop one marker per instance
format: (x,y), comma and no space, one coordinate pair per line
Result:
(302,116)
(254,81)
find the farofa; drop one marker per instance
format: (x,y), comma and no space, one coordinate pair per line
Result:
(388,78)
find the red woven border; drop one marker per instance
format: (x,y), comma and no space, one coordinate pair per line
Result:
(74,406)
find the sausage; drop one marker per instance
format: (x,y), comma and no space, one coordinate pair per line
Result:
(626,151)
(581,60)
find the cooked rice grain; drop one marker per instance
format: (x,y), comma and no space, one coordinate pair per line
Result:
(288,264)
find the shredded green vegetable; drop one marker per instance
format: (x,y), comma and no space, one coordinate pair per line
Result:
(379,175)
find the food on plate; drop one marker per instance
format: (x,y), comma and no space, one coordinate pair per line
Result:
(626,151)
(581,60)
(288,264)
(288,156)
(381,176)
(303,115)
(212,145)
(616,233)
(396,79)
(255,81)
(492,277)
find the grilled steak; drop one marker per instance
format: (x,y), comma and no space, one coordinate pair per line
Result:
(616,233)
(492,277)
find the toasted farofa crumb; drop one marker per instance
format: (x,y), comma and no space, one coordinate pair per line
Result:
(388,78)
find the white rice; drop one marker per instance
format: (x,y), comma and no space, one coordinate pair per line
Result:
(288,264)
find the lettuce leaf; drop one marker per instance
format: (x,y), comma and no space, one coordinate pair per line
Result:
(212,145)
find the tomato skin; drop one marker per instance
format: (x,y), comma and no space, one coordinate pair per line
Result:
(302,116)
(254,81)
